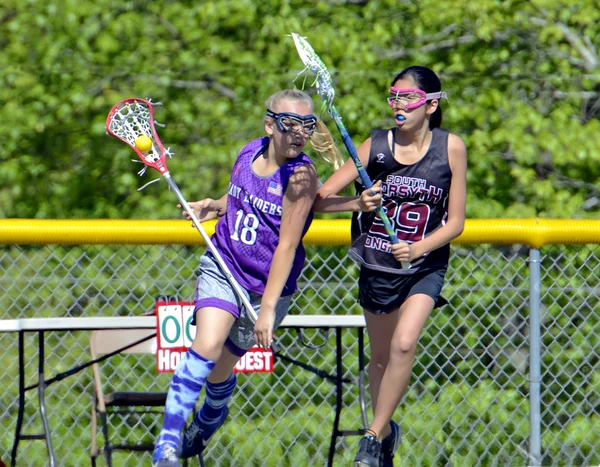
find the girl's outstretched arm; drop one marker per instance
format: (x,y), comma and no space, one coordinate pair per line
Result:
(327,196)
(207,209)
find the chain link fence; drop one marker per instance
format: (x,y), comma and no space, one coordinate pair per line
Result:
(468,402)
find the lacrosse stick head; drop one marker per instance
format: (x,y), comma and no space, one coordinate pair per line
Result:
(131,118)
(313,62)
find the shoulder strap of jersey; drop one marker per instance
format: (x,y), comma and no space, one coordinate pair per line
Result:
(249,149)
(440,138)
(379,144)
(290,166)
(254,145)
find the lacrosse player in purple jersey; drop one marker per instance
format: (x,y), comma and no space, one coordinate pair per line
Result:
(420,170)
(262,219)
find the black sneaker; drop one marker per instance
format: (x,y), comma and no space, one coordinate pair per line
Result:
(368,453)
(196,436)
(390,444)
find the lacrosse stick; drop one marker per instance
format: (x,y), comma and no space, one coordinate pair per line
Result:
(132,121)
(324,85)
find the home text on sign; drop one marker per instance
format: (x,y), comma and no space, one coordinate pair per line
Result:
(175,335)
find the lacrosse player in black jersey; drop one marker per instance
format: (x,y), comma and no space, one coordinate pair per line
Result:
(420,172)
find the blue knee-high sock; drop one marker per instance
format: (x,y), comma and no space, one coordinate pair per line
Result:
(190,375)
(217,398)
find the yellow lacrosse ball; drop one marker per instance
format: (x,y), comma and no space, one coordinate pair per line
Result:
(143,143)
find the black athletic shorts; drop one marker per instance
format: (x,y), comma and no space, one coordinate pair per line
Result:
(381,293)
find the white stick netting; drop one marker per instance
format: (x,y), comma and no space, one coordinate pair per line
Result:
(314,63)
(131,120)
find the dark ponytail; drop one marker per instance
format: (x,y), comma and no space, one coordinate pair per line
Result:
(435,121)
(428,81)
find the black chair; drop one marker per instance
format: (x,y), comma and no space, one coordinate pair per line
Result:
(108,405)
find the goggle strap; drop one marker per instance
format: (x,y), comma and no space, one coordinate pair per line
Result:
(431,95)
(436,95)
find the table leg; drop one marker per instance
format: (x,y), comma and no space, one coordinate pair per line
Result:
(21,410)
(42,400)
(362,378)
(338,394)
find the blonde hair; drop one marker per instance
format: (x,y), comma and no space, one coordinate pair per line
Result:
(322,139)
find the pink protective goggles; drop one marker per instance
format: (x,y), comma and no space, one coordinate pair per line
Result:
(412,98)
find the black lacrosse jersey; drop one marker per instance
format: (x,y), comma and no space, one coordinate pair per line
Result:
(415,198)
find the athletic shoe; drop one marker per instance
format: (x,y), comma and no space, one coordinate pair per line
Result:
(390,444)
(165,455)
(369,450)
(197,435)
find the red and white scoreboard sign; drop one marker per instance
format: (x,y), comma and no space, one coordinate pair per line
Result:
(175,335)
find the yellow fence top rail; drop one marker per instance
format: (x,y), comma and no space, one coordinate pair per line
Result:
(532,232)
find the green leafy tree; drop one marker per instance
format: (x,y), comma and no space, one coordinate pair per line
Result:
(523,79)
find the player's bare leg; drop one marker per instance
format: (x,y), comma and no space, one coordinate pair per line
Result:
(413,315)
(212,329)
(391,371)
(380,329)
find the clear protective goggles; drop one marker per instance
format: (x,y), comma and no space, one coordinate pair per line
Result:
(412,98)
(287,121)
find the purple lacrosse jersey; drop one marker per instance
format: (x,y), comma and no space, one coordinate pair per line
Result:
(248,234)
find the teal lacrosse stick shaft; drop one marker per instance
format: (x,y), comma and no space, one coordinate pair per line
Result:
(325,89)
(362,173)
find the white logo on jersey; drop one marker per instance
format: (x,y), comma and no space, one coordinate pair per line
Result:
(380,157)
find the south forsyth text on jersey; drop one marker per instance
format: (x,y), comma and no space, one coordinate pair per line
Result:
(409,187)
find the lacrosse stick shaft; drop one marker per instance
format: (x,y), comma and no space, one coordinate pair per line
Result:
(325,89)
(364,176)
(236,287)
